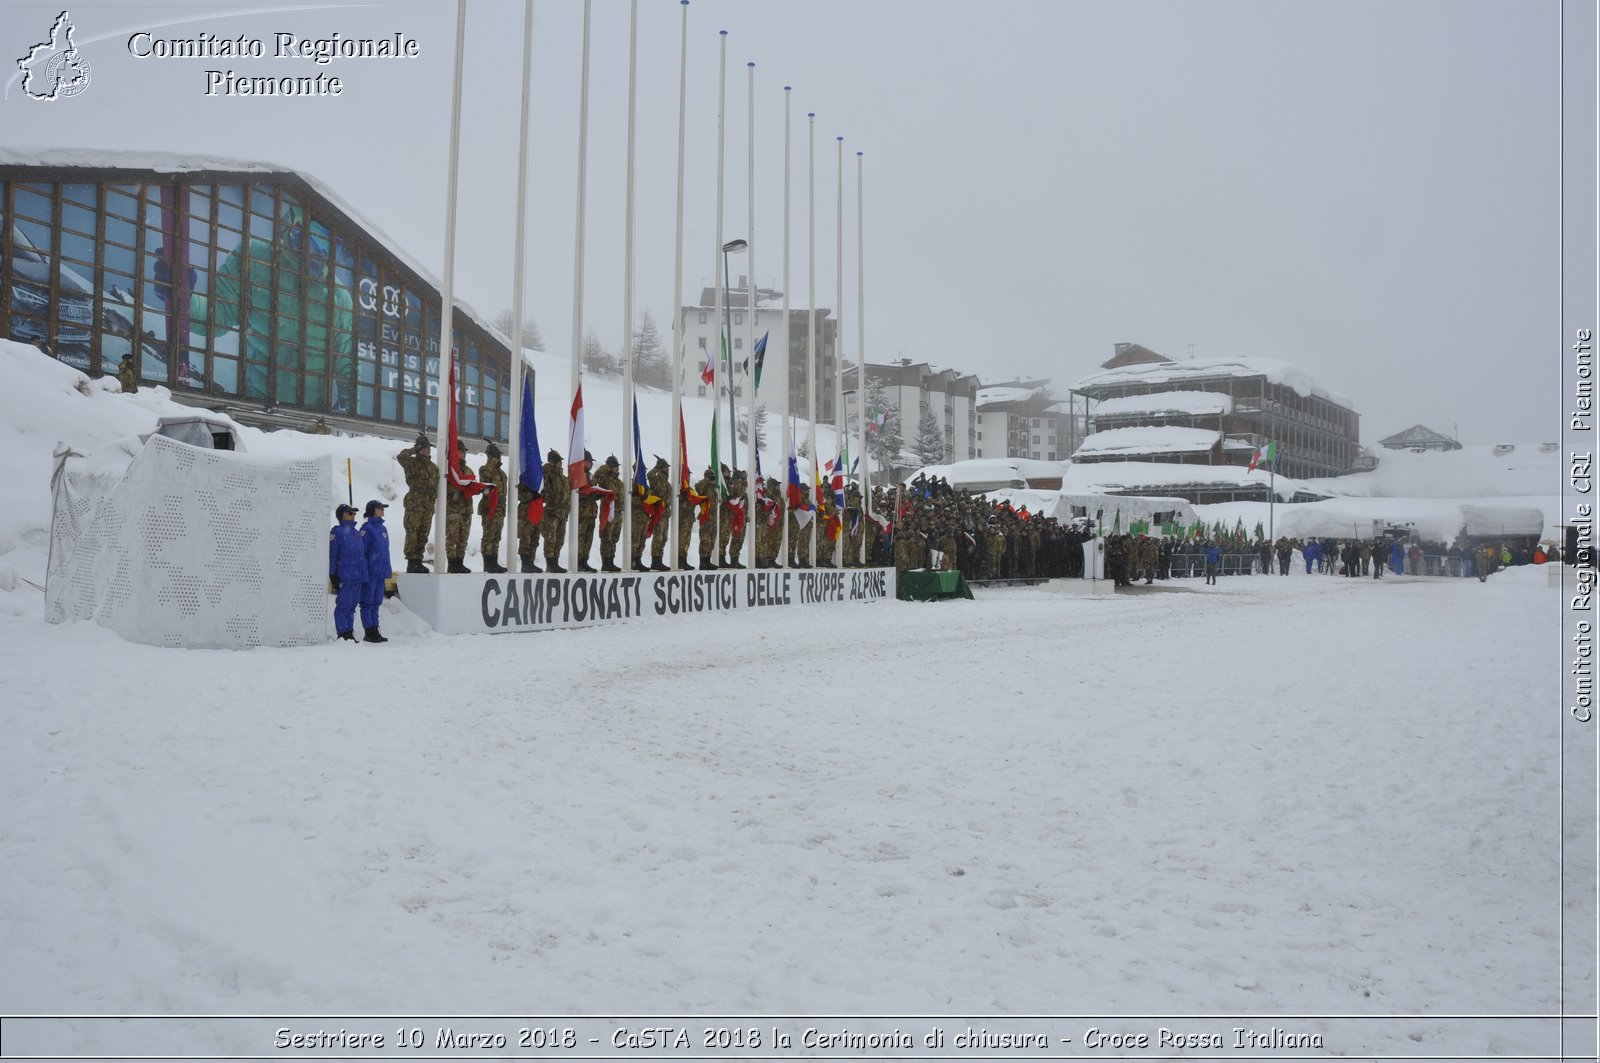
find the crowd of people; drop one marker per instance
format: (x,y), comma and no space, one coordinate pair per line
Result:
(925,524)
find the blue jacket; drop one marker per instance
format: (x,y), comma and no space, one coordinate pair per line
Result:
(1311,551)
(1213,554)
(379,566)
(347,555)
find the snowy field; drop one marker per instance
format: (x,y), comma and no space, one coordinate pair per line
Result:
(1282,795)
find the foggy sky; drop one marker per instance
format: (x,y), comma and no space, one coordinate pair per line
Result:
(1367,190)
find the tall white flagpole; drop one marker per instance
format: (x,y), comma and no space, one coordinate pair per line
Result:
(720,374)
(861,371)
(576,372)
(839,419)
(811,329)
(748,546)
(627,289)
(679,458)
(441,405)
(786,428)
(514,450)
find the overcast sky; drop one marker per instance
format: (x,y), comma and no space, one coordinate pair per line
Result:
(1367,190)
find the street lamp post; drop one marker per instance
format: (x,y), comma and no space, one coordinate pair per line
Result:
(731,247)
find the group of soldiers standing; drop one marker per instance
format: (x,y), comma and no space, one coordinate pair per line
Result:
(943,528)
(718,514)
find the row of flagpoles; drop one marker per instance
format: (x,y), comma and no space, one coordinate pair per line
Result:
(524,465)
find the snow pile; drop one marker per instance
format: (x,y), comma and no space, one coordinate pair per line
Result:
(1152,439)
(1166,403)
(1195,369)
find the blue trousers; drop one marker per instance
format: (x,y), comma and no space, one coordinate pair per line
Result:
(371,599)
(344,605)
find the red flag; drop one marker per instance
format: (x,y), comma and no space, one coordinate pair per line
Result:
(683,451)
(463,482)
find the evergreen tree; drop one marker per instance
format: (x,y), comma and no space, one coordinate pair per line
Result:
(532,338)
(930,439)
(886,443)
(596,359)
(761,426)
(651,365)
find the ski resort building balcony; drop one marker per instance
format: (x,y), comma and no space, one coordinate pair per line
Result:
(1215,411)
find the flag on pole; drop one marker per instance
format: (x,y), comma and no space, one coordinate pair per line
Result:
(463,482)
(531,467)
(716,460)
(708,371)
(683,450)
(797,493)
(1265,456)
(761,358)
(640,482)
(1116,525)
(577,475)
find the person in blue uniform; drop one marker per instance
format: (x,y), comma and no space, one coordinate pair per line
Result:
(375,541)
(347,570)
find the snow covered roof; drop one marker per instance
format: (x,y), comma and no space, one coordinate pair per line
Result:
(1155,439)
(1194,369)
(1418,435)
(176,162)
(1166,402)
(989,396)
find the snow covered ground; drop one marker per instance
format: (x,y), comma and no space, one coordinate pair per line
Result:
(1278,796)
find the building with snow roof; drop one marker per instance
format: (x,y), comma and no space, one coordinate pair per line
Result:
(1419,437)
(1022,419)
(699,331)
(917,388)
(1215,411)
(241,286)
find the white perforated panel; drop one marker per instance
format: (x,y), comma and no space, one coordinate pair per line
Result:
(196,548)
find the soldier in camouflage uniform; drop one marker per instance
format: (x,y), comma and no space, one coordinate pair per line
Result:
(639,521)
(128,375)
(799,540)
(769,526)
(422,485)
(557,506)
(853,536)
(729,558)
(588,513)
(494,520)
(527,531)
(609,478)
(457,519)
(660,480)
(686,521)
(707,517)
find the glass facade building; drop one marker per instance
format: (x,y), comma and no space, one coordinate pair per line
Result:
(249,291)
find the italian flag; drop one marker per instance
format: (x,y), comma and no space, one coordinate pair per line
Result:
(1264,456)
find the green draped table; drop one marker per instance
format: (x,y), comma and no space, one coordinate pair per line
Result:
(931,586)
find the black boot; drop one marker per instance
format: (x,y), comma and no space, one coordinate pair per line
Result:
(492,564)
(528,564)
(584,566)
(707,565)
(609,566)
(457,567)
(416,567)
(348,636)
(553,565)
(659,566)
(373,635)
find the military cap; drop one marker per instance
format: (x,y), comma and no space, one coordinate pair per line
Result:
(422,440)
(612,461)
(588,458)
(491,451)
(553,455)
